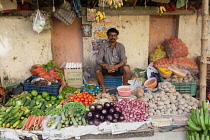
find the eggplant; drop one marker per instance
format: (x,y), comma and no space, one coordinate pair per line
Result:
(96,122)
(104,112)
(89,115)
(96,115)
(117,109)
(92,108)
(102,118)
(116,115)
(109,117)
(107,105)
(91,122)
(121,118)
(99,107)
(114,120)
(111,110)
(111,104)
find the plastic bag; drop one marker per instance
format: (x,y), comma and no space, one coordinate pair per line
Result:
(47,15)
(150,70)
(158,53)
(47,119)
(178,72)
(39,22)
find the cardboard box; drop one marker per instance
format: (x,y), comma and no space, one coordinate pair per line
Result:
(74,77)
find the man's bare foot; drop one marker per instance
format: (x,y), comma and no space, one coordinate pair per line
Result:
(103,90)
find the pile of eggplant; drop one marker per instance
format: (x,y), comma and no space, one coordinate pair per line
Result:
(108,112)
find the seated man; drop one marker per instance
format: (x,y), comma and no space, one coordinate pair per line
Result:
(112,60)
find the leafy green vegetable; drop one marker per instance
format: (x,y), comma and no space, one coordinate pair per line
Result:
(90,87)
(138,70)
(68,89)
(49,65)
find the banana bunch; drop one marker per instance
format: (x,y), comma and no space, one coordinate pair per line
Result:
(199,122)
(114,3)
(161,10)
(100,16)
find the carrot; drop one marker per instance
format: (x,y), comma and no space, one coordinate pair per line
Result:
(26,123)
(31,123)
(38,122)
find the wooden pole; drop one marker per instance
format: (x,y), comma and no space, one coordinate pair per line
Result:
(204,45)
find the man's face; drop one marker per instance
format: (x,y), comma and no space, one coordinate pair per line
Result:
(112,37)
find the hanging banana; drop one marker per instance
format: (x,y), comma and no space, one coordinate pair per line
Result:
(114,3)
(100,16)
(161,10)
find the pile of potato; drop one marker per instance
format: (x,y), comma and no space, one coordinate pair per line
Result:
(168,101)
(187,78)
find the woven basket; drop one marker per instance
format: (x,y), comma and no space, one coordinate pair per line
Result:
(65,14)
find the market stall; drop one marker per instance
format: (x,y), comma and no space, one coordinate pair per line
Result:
(54,102)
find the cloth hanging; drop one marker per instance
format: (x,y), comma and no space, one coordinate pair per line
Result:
(180,3)
(77,8)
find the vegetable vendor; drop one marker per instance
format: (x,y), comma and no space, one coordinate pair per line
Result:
(112,60)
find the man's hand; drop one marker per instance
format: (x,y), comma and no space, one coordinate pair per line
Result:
(112,68)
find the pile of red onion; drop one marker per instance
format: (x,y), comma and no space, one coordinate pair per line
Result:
(133,110)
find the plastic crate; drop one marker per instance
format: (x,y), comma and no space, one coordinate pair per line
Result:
(186,87)
(53,89)
(112,82)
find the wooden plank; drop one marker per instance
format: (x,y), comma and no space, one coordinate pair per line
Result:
(138,10)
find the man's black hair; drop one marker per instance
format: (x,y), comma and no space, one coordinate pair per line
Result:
(112,30)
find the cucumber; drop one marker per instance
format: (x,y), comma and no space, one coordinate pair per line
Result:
(32,104)
(43,107)
(22,123)
(23,100)
(16,123)
(67,122)
(59,126)
(9,109)
(84,121)
(74,121)
(27,102)
(13,121)
(62,115)
(15,111)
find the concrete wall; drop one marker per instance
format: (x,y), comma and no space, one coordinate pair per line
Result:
(133,33)
(20,48)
